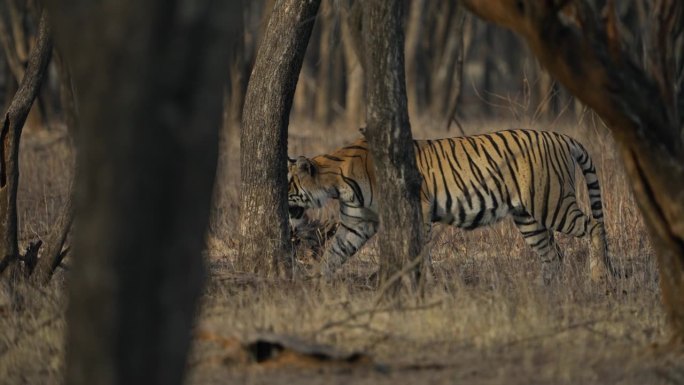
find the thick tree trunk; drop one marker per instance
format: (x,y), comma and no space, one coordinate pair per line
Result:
(11,127)
(264,230)
(389,136)
(635,104)
(149,97)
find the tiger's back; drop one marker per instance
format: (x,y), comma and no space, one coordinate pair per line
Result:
(474,181)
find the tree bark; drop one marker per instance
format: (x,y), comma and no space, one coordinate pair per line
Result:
(586,56)
(389,137)
(264,244)
(11,126)
(149,97)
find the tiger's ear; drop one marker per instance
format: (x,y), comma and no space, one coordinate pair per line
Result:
(305,165)
(362,130)
(291,161)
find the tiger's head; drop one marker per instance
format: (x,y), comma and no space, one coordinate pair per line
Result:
(305,190)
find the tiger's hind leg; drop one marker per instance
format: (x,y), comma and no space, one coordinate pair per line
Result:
(600,268)
(541,240)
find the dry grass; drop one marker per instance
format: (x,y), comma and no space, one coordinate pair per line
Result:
(485,319)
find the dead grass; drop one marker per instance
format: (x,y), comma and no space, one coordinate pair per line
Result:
(483,320)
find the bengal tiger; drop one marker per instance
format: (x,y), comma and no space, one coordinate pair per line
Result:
(469,182)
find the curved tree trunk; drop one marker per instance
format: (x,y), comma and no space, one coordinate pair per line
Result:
(149,97)
(389,137)
(638,103)
(11,127)
(264,230)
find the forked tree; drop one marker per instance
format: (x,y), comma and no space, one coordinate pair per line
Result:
(264,230)
(587,48)
(11,126)
(400,238)
(148,77)
(12,123)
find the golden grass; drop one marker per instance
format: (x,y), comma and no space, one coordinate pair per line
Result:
(484,319)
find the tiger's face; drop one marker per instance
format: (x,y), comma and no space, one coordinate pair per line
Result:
(304,190)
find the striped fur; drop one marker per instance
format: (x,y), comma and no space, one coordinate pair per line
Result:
(468,182)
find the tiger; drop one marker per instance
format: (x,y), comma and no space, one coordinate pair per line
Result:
(468,182)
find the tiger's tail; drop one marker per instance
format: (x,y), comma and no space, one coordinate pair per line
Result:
(589,171)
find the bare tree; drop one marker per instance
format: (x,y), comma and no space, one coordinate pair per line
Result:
(389,137)
(148,77)
(640,99)
(264,230)
(11,127)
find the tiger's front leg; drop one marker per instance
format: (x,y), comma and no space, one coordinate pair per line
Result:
(351,234)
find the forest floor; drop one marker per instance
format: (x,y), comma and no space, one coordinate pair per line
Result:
(484,319)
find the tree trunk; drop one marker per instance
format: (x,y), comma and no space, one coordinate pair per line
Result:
(636,104)
(239,72)
(448,76)
(389,138)
(149,98)
(11,127)
(489,69)
(414,30)
(264,244)
(15,43)
(354,93)
(324,76)
(53,253)
(12,51)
